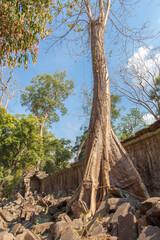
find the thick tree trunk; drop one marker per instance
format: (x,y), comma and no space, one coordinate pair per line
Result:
(106,161)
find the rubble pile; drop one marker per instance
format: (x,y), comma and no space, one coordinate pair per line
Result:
(118,217)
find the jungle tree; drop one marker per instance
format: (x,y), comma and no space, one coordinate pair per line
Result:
(46,95)
(107,163)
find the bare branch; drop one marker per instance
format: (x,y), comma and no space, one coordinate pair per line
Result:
(107,11)
(89,12)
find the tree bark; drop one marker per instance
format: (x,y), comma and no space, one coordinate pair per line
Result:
(106,161)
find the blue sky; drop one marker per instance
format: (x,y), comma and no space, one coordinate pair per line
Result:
(79,69)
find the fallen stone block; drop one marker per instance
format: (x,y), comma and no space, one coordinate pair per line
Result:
(16,228)
(150,233)
(154,211)
(42,228)
(6,215)
(148,204)
(6,236)
(122,210)
(58,227)
(127,227)
(69,234)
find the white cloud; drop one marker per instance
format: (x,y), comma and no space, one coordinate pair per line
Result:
(149,118)
(144,64)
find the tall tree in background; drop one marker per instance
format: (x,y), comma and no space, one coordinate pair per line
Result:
(130,123)
(46,95)
(141,80)
(22,24)
(107,163)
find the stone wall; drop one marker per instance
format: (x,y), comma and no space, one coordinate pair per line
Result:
(144,150)
(66,180)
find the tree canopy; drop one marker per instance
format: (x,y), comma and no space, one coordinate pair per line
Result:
(46,95)
(23,23)
(20,145)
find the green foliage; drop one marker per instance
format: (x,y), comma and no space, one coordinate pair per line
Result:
(46,95)
(57,153)
(131,123)
(78,142)
(115,110)
(22,24)
(20,145)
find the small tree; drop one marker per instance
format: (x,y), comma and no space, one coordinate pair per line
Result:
(46,95)
(130,123)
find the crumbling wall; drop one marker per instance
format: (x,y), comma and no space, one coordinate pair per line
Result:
(66,180)
(144,150)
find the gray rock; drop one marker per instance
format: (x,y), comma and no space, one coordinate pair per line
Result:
(150,233)
(154,211)
(122,210)
(148,204)
(127,227)
(69,234)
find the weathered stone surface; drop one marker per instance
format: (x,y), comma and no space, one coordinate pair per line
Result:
(6,236)
(31,236)
(102,237)
(127,227)
(114,203)
(58,227)
(103,208)
(62,217)
(76,223)
(69,234)
(148,204)
(20,236)
(42,228)
(53,210)
(6,215)
(19,197)
(16,228)
(96,229)
(154,211)
(150,233)
(122,210)
(142,222)
(77,209)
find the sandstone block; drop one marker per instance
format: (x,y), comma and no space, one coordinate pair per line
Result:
(69,234)
(150,233)
(127,227)
(122,210)
(16,228)
(148,204)
(6,215)
(42,228)
(154,211)
(6,236)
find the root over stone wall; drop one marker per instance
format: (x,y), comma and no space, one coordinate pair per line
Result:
(144,150)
